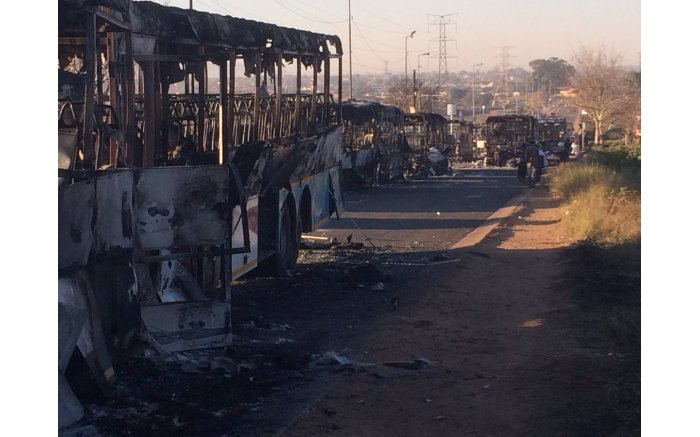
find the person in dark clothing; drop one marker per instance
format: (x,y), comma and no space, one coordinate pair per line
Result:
(532,161)
(522,164)
(541,159)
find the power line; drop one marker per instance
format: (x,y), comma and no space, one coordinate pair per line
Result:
(214,7)
(365,40)
(226,9)
(317,20)
(403,26)
(323,10)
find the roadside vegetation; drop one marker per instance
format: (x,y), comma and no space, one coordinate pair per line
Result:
(602,211)
(602,196)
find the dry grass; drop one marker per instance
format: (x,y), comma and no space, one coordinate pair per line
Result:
(602,194)
(603,216)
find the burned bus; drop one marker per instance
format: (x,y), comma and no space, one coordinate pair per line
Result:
(461,135)
(168,191)
(505,133)
(551,130)
(429,143)
(373,142)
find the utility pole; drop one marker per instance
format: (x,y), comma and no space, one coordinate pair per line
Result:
(406,60)
(473,89)
(419,82)
(349,45)
(415,93)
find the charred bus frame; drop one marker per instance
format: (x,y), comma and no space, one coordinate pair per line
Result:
(551,130)
(462,137)
(373,141)
(158,189)
(504,133)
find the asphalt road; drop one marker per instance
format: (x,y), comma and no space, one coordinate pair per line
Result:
(429,214)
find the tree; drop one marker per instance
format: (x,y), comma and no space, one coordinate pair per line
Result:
(556,71)
(600,86)
(628,116)
(399,95)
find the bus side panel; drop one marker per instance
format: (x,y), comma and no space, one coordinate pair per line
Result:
(335,175)
(242,263)
(325,191)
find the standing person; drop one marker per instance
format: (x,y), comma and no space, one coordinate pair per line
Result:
(574,148)
(522,164)
(541,164)
(532,161)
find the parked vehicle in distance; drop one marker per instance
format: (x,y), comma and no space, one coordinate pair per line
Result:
(504,134)
(374,144)
(462,136)
(429,144)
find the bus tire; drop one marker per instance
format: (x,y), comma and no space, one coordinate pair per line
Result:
(290,237)
(285,258)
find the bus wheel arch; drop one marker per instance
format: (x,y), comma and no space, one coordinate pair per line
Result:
(305,211)
(289,237)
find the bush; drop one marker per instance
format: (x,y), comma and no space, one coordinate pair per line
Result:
(569,180)
(602,195)
(603,216)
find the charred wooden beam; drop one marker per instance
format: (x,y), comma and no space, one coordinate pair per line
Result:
(278,98)
(231,101)
(326,90)
(78,41)
(256,100)
(89,108)
(297,100)
(149,114)
(129,117)
(314,91)
(201,103)
(340,90)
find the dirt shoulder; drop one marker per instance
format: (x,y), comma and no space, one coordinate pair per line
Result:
(493,344)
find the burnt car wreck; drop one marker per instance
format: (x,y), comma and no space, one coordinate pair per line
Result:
(167,192)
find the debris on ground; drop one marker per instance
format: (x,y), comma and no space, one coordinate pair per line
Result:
(417,364)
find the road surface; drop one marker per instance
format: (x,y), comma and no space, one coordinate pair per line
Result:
(429,214)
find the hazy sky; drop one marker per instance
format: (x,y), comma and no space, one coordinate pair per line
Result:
(530,29)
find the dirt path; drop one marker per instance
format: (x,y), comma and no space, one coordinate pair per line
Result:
(481,345)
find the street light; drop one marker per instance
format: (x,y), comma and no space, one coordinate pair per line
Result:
(406,60)
(473,86)
(419,83)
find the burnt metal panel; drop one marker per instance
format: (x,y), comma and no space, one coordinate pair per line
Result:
(143,44)
(149,18)
(181,207)
(76,205)
(119,5)
(184,326)
(184,25)
(114,220)
(321,153)
(271,165)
